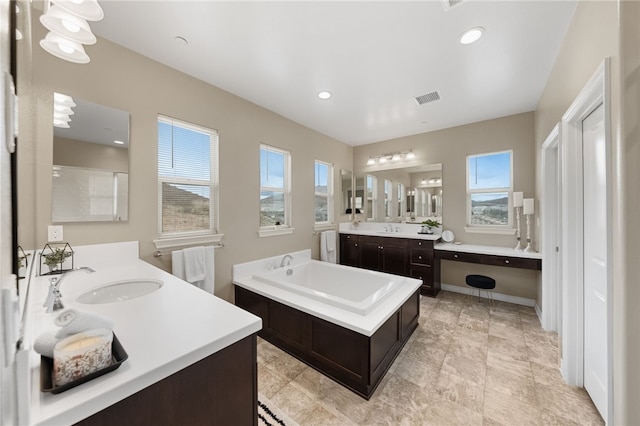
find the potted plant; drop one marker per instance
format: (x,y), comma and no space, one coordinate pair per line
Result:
(55,259)
(430,223)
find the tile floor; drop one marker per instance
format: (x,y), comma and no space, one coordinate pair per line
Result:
(464,365)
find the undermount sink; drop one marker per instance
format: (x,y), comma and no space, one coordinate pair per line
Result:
(119,291)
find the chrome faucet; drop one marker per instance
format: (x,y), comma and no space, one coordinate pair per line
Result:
(286,258)
(54,299)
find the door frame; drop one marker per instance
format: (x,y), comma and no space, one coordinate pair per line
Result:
(595,92)
(551,192)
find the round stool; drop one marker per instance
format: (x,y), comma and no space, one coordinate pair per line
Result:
(480,282)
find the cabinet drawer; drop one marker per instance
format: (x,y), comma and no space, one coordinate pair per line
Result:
(421,257)
(423,273)
(421,244)
(488,259)
(459,256)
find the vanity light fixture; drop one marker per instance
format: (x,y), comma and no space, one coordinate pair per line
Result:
(324,95)
(394,156)
(118,142)
(471,35)
(62,105)
(66,21)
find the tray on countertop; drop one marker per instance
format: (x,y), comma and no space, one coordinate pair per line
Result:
(46,369)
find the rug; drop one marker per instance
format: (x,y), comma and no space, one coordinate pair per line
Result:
(270,414)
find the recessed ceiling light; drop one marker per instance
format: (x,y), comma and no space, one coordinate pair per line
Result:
(324,94)
(471,36)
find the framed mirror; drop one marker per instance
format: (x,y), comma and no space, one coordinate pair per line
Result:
(90,168)
(408,194)
(346,179)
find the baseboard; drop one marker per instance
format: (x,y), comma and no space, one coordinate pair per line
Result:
(496,296)
(538,312)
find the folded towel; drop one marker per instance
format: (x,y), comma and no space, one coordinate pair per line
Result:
(194,264)
(45,343)
(75,321)
(328,246)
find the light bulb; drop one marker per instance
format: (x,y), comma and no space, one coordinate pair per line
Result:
(66,48)
(73,27)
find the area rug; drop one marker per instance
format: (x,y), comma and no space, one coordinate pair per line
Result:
(270,414)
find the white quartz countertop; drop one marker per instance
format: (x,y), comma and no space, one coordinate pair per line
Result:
(491,250)
(400,234)
(162,332)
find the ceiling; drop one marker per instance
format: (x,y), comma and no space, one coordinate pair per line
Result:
(375,57)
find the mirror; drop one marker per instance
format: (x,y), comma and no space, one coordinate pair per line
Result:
(90,162)
(346,177)
(415,194)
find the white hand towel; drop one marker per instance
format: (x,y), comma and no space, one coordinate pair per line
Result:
(75,321)
(177,264)
(194,264)
(45,343)
(328,246)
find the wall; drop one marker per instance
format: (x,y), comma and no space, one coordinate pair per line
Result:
(122,79)
(69,152)
(450,147)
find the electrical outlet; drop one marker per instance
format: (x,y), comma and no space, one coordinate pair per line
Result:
(55,233)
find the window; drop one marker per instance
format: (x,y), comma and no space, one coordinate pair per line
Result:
(489,187)
(372,184)
(387,199)
(187,178)
(400,200)
(274,188)
(323,207)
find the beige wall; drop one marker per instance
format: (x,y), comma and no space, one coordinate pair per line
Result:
(122,79)
(69,152)
(450,147)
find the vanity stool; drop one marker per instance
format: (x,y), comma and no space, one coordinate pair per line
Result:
(481,282)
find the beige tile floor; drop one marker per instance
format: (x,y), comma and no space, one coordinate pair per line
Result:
(464,365)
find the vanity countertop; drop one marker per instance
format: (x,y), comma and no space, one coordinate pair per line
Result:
(162,332)
(403,233)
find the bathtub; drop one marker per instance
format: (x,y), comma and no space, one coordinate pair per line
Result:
(348,323)
(352,289)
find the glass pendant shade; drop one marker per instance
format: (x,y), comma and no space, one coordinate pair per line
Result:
(87,9)
(68,25)
(64,48)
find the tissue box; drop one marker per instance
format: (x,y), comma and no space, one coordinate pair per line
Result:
(81,354)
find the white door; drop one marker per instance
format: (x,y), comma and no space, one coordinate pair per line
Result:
(595,259)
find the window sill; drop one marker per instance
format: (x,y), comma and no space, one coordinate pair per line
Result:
(488,230)
(324,227)
(275,232)
(163,243)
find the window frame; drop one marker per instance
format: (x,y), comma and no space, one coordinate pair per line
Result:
(329,195)
(371,215)
(388,196)
(401,200)
(487,228)
(285,227)
(183,238)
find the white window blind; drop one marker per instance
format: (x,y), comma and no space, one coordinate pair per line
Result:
(489,188)
(187,178)
(323,205)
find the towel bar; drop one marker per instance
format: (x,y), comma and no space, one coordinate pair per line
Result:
(159,253)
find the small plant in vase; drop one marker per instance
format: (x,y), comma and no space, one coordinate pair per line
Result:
(55,259)
(430,223)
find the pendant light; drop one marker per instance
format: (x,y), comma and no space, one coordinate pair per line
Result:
(64,48)
(65,24)
(87,9)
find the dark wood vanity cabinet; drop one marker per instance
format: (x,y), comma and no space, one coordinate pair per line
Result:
(401,256)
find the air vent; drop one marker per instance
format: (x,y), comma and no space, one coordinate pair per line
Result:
(429,97)
(449,4)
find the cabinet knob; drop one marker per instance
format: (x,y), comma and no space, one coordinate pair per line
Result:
(455,255)
(348,237)
(420,257)
(506,261)
(419,244)
(356,244)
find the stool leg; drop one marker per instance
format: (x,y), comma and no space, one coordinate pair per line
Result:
(490,296)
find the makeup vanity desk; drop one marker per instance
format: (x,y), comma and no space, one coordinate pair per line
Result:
(488,255)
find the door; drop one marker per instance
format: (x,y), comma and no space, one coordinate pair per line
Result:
(595,258)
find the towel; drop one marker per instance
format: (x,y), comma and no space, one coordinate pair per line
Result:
(179,266)
(75,321)
(45,343)
(194,264)
(328,246)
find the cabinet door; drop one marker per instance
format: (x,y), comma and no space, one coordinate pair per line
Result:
(370,255)
(394,259)
(349,250)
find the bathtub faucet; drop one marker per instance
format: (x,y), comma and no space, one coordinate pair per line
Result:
(287,258)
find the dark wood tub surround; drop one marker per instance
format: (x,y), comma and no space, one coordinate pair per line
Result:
(408,257)
(354,360)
